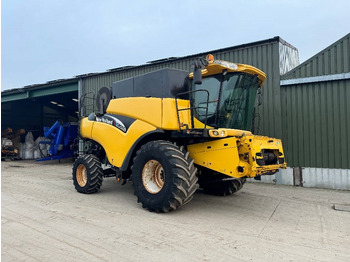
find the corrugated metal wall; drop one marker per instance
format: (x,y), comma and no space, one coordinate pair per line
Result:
(334,59)
(316,124)
(316,116)
(264,55)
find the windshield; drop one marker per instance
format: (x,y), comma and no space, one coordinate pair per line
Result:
(231,100)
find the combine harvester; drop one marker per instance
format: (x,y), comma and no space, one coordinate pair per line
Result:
(169,132)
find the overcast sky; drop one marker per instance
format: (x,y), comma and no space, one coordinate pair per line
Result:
(43,40)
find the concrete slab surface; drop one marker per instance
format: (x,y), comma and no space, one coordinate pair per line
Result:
(45,219)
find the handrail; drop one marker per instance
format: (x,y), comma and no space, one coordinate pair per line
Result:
(83,107)
(191,108)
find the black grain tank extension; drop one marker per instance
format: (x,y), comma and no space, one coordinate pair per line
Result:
(164,83)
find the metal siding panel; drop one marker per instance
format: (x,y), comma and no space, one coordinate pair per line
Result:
(346,55)
(254,57)
(308,68)
(327,178)
(325,63)
(295,125)
(344,125)
(289,124)
(13,97)
(347,119)
(314,66)
(277,127)
(320,65)
(268,118)
(318,124)
(299,123)
(312,125)
(334,64)
(240,56)
(284,117)
(339,57)
(324,134)
(264,109)
(330,125)
(345,122)
(245,55)
(306,125)
(336,116)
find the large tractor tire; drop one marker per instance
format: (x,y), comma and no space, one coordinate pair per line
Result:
(87,174)
(164,176)
(222,188)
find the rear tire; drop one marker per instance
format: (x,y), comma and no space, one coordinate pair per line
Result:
(87,174)
(164,176)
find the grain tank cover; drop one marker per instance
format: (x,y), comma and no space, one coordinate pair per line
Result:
(164,83)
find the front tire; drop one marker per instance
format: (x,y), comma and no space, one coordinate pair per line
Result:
(87,174)
(215,184)
(164,176)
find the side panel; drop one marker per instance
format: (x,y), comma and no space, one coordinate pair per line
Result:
(142,108)
(219,155)
(169,117)
(238,156)
(86,127)
(158,112)
(117,143)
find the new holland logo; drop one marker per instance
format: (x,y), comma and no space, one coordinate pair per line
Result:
(111,120)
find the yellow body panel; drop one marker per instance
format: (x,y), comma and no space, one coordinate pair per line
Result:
(115,142)
(150,114)
(236,156)
(252,145)
(220,155)
(215,68)
(198,124)
(159,112)
(169,117)
(86,127)
(145,109)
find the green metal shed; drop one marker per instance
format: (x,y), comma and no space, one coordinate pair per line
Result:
(36,106)
(315,98)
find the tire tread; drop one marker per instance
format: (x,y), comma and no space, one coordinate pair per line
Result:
(183,173)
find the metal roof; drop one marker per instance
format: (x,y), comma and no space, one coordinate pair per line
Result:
(334,59)
(150,63)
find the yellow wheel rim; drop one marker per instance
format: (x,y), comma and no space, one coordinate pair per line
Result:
(153,176)
(81,175)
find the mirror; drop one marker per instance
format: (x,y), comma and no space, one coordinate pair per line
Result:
(197,73)
(259,96)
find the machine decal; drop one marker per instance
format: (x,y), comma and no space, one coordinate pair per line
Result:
(121,122)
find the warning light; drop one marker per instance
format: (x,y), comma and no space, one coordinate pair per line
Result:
(210,58)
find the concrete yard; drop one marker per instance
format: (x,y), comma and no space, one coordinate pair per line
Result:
(45,219)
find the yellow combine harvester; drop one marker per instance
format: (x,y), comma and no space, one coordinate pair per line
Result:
(169,132)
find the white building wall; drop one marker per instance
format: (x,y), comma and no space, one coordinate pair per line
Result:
(310,177)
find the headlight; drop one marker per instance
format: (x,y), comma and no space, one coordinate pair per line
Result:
(218,133)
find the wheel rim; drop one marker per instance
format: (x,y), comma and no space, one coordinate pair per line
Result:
(153,176)
(81,175)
